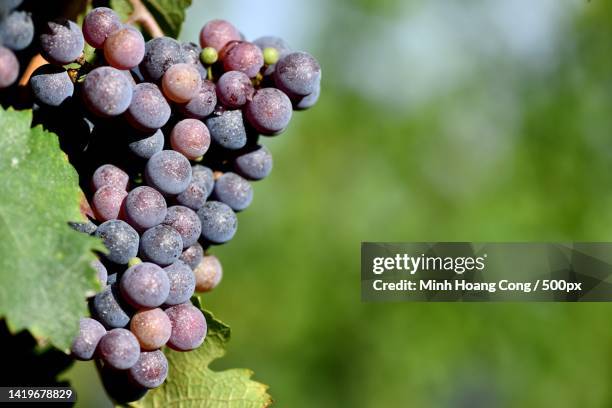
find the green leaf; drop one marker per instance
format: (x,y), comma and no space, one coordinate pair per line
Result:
(45,270)
(191,383)
(169,14)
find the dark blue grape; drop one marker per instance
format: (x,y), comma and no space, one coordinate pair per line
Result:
(186,222)
(148,109)
(307,101)
(145,207)
(88,227)
(160,54)
(161,244)
(145,285)
(9,67)
(182,283)
(204,177)
(234,191)
(61,42)
(298,73)
(269,111)
(86,342)
(227,129)
(188,327)
(193,255)
(107,309)
(151,369)
(120,239)
(169,172)
(119,349)
(146,147)
(6,6)
(112,278)
(194,197)
(254,164)
(101,272)
(16,30)
(107,91)
(51,85)
(203,104)
(219,222)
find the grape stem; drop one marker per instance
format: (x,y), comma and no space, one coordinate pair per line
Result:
(141,15)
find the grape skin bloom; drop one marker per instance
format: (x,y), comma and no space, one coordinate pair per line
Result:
(188,327)
(191,138)
(270,111)
(109,174)
(86,342)
(219,222)
(148,108)
(62,42)
(119,349)
(152,328)
(208,273)
(99,24)
(146,147)
(161,244)
(145,285)
(182,283)
(124,48)
(181,83)
(120,239)
(151,369)
(234,191)
(51,85)
(169,172)
(16,30)
(107,91)
(145,208)
(9,67)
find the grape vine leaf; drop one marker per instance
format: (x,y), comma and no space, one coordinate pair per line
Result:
(45,270)
(191,383)
(169,14)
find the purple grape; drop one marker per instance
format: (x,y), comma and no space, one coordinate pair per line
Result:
(244,57)
(107,309)
(204,177)
(9,67)
(160,54)
(151,369)
(146,147)
(85,343)
(169,172)
(182,283)
(145,207)
(191,138)
(193,255)
(217,34)
(161,244)
(108,174)
(101,272)
(188,327)
(119,349)
(234,89)
(16,30)
(186,222)
(61,42)
(107,91)
(227,129)
(124,48)
(181,83)
(203,104)
(208,273)
(234,191)
(191,53)
(219,222)
(51,85)
(145,285)
(307,101)
(148,110)
(194,197)
(107,202)
(120,239)
(254,164)
(152,328)
(269,112)
(298,74)
(99,23)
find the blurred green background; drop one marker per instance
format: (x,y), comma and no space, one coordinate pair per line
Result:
(439,120)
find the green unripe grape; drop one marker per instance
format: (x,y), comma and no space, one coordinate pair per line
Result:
(209,56)
(270,55)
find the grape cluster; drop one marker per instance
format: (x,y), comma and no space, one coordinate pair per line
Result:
(166,146)
(16,34)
